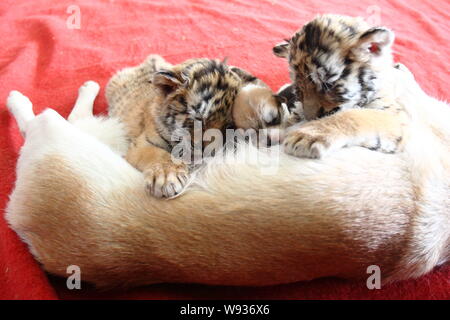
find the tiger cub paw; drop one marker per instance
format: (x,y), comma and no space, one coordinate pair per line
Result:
(384,143)
(166,180)
(309,142)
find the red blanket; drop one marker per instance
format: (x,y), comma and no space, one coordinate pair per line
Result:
(49,48)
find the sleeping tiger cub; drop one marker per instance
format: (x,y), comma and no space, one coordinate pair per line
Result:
(160,104)
(342,73)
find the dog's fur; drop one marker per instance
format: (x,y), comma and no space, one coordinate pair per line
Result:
(78,202)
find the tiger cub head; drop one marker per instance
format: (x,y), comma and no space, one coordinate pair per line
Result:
(335,63)
(204,91)
(200,91)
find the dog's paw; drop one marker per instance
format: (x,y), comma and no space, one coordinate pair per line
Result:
(166,180)
(17,100)
(89,88)
(308,142)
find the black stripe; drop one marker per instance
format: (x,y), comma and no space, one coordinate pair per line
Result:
(157,144)
(312,36)
(316,62)
(348,61)
(361,72)
(371,32)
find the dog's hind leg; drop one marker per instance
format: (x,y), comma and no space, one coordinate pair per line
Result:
(84,105)
(21,108)
(108,130)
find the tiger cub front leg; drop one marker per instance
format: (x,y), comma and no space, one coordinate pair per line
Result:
(163,177)
(371,128)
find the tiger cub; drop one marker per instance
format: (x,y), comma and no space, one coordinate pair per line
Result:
(342,73)
(161,104)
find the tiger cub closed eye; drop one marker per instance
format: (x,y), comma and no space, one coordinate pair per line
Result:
(342,72)
(159,104)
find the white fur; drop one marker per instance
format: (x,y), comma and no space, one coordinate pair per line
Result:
(21,108)
(85,101)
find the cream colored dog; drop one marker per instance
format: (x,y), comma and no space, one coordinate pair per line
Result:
(78,202)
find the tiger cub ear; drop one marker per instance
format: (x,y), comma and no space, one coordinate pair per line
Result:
(373,43)
(168,81)
(282,49)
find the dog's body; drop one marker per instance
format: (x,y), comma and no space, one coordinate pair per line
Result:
(77,202)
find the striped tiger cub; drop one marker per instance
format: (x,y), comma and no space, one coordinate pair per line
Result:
(343,74)
(160,105)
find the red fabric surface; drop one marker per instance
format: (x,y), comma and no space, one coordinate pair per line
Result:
(47,61)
